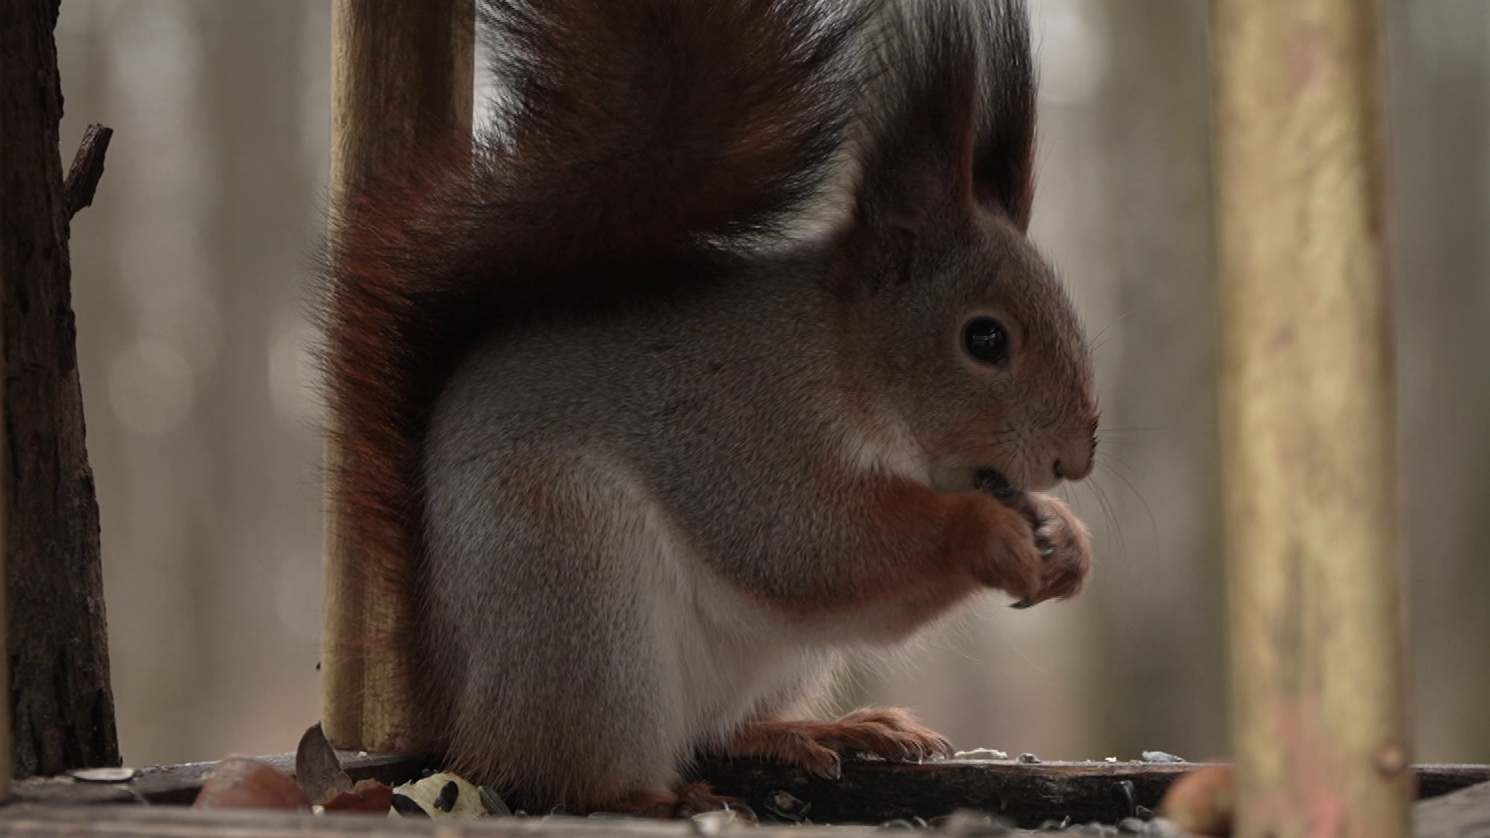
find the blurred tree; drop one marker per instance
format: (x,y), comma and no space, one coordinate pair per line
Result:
(61,704)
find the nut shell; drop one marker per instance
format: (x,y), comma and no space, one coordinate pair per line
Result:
(248,783)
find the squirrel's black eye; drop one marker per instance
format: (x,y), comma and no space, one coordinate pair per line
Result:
(986,340)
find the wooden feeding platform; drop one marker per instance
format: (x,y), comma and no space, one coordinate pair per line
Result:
(869,794)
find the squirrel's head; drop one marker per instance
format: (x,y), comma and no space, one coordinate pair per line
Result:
(963,322)
(974,338)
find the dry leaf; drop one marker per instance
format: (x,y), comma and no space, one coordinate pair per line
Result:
(366,796)
(317,767)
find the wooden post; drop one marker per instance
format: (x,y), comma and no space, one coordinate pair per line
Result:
(5,751)
(1308,422)
(62,707)
(401,70)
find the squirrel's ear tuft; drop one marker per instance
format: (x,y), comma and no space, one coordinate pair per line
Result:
(1004,150)
(956,123)
(918,155)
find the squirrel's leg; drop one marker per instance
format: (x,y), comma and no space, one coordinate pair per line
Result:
(888,733)
(565,691)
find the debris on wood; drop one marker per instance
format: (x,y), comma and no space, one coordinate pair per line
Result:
(442,795)
(364,796)
(317,768)
(248,783)
(1119,797)
(1203,801)
(980,755)
(103,775)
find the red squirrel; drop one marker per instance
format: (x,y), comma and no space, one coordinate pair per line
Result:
(722,354)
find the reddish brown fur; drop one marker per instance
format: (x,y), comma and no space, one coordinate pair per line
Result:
(817,746)
(441,249)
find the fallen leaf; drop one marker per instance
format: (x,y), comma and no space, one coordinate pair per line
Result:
(317,768)
(366,796)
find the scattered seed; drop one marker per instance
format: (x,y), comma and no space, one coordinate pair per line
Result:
(785,805)
(493,802)
(406,806)
(980,755)
(970,823)
(103,775)
(449,793)
(1126,798)
(715,822)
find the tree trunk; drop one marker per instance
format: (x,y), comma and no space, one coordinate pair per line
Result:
(63,709)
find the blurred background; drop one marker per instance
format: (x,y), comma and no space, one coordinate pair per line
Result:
(192,285)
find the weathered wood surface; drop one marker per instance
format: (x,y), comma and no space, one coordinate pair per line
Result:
(1319,698)
(868,792)
(86,169)
(1463,814)
(62,705)
(1026,795)
(402,75)
(179,784)
(175,822)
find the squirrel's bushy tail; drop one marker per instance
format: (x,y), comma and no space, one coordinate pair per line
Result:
(641,128)
(632,138)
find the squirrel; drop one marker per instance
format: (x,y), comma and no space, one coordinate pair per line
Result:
(721,353)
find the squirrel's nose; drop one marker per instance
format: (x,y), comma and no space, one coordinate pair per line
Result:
(1075,462)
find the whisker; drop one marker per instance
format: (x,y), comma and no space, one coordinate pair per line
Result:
(1148,510)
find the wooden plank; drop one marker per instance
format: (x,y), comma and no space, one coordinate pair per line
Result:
(179,784)
(177,822)
(400,70)
(5,490)
(1465,814)
(869,792)
(1026,795)
(1308,421)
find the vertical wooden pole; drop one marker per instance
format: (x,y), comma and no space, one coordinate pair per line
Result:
(1308,421)
(5,488)
(401,71)
(62,707)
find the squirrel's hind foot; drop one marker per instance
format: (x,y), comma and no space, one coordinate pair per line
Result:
(889,733)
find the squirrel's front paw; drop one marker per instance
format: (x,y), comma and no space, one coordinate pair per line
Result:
(1064,547)
(1040,550)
